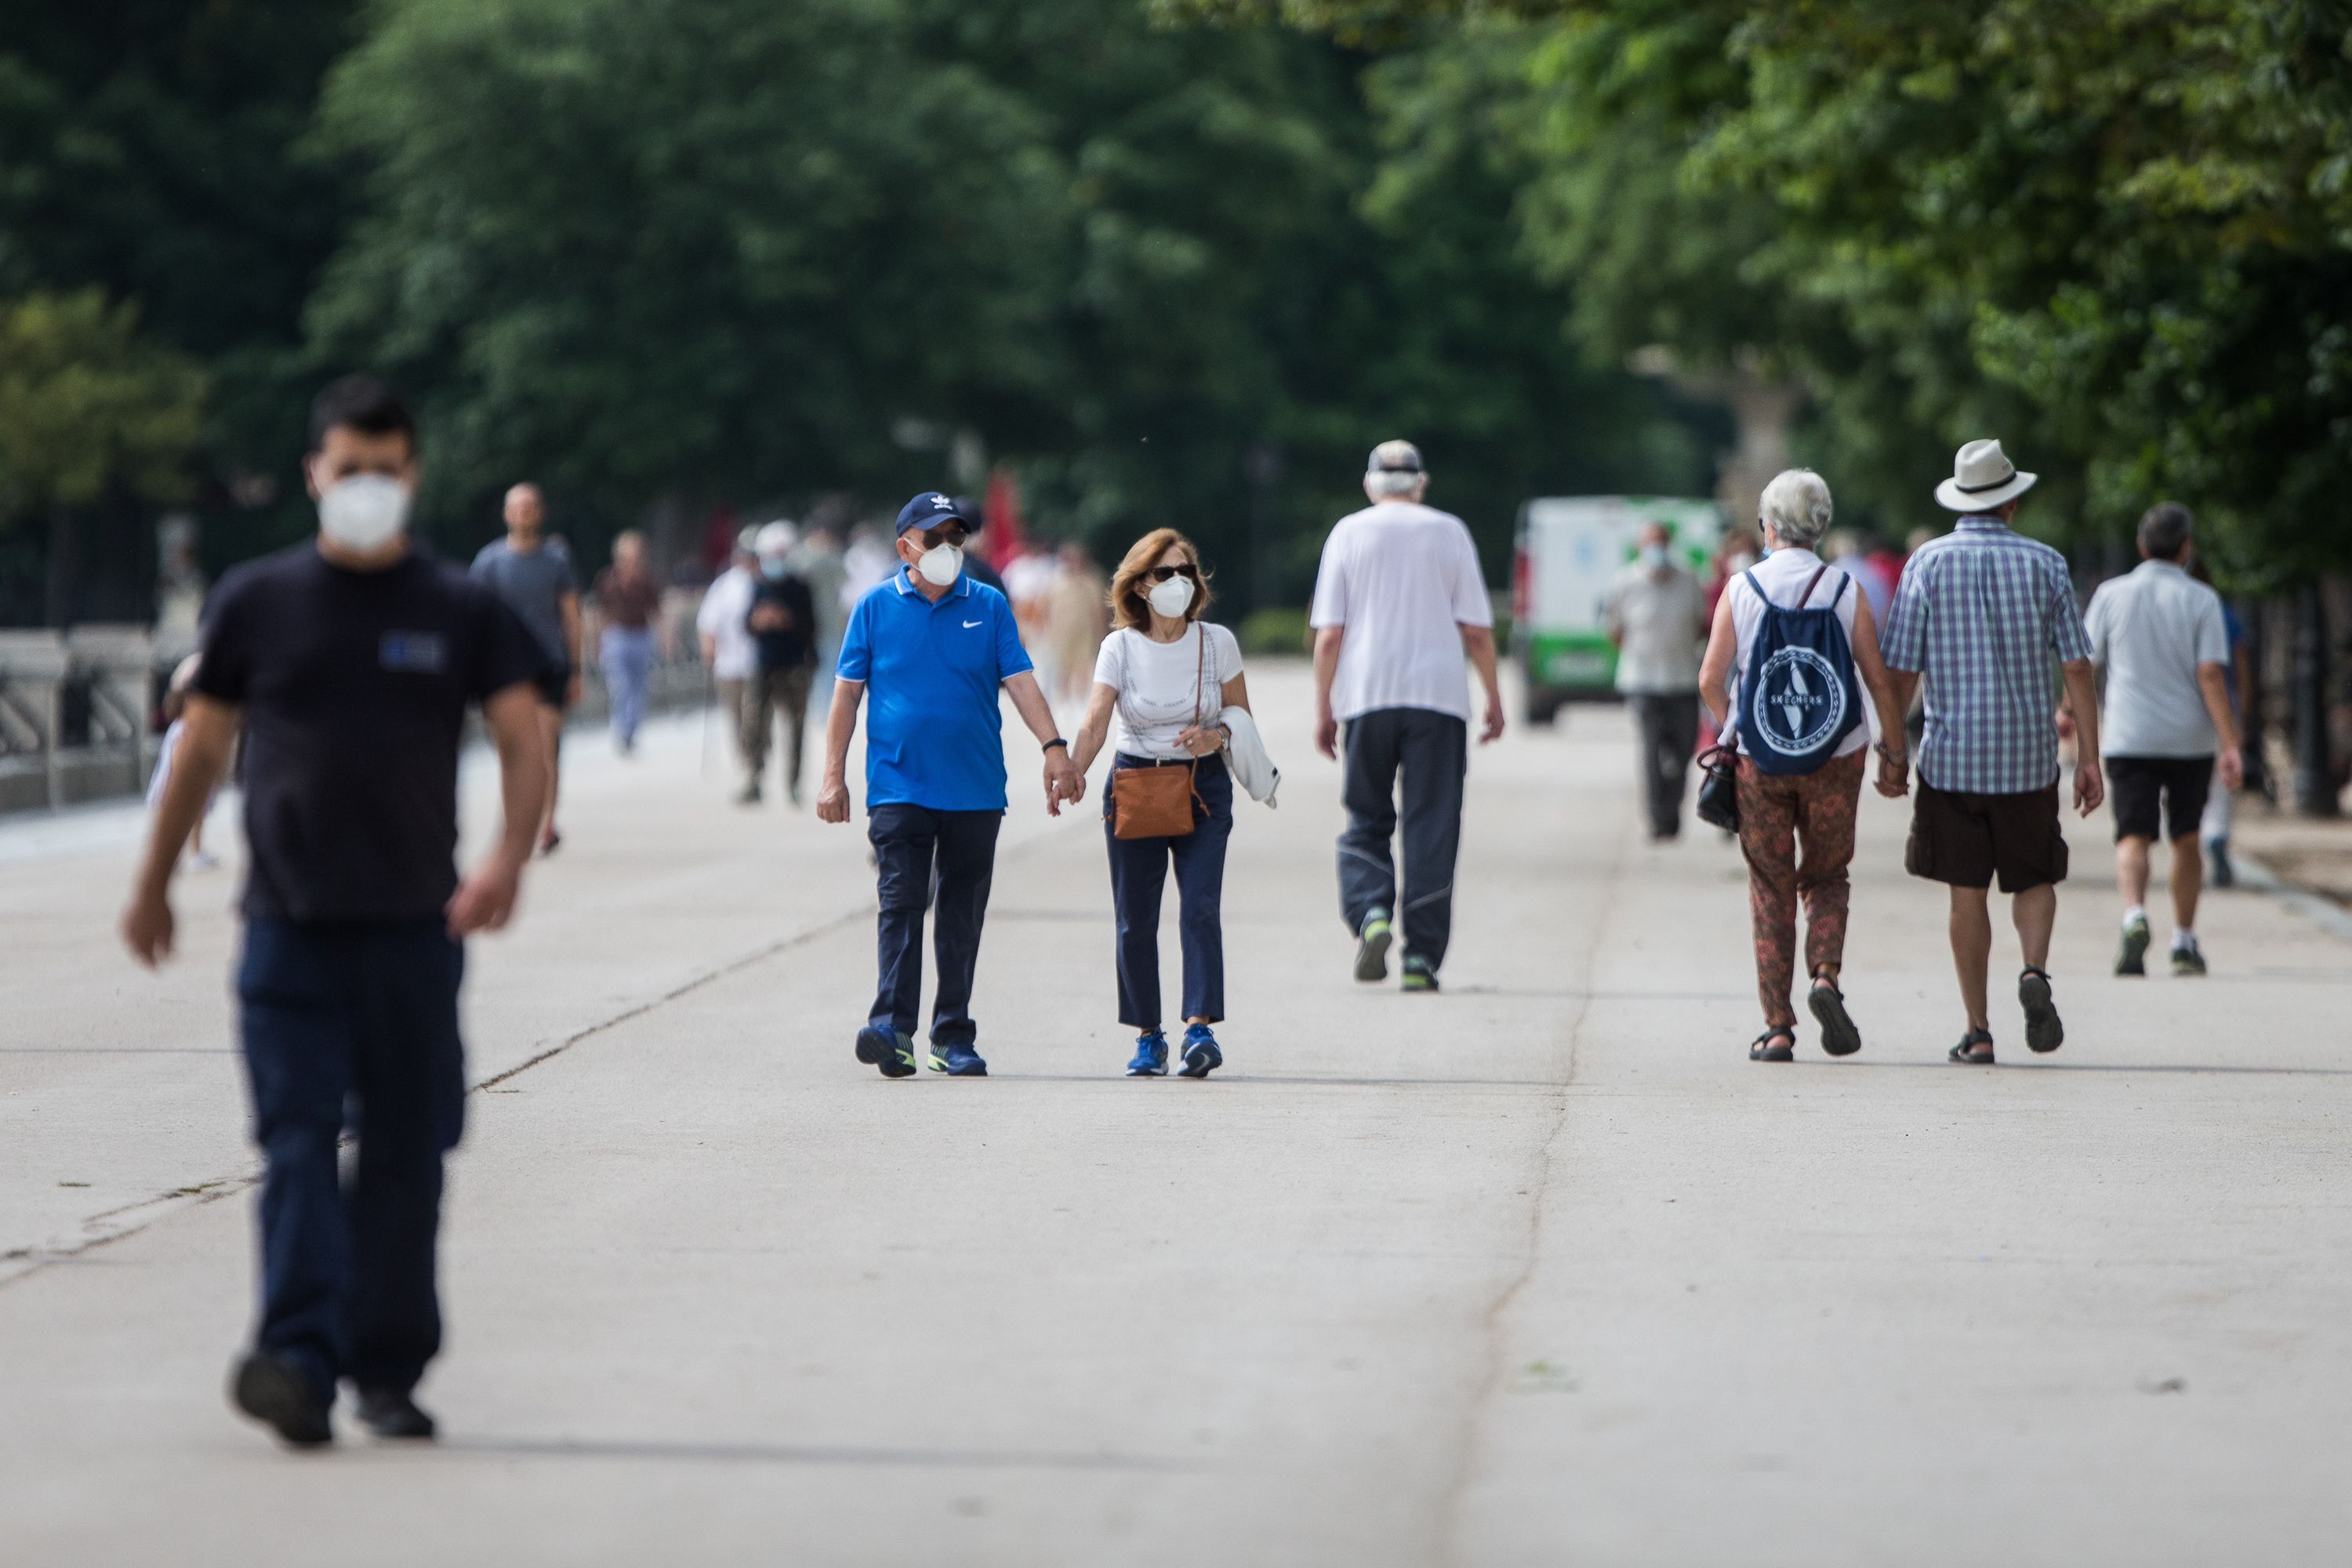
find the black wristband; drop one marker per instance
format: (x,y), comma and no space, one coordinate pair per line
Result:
(1056,740)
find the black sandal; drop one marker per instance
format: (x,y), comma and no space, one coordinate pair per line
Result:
(2043,1029)
(1965,1051)
(1761,1052)
(1838,1037)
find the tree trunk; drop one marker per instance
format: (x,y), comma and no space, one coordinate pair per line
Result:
(2315,779)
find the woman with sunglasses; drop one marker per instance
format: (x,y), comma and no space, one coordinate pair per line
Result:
(1167,676)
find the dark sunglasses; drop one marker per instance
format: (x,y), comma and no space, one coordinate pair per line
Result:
(1162,573)
(952,533)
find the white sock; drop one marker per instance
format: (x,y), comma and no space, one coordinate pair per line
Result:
(2183,937)
(2136,913)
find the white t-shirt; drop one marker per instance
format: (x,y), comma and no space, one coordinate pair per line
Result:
(725,609)
(1156,683)
(1661,620)
(1784,573)
(2151,630)
(1403,579)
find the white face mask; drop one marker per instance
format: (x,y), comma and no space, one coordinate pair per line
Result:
(363,513)
(941,566)
(1172,598)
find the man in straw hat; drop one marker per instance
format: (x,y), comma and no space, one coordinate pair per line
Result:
(1977,616)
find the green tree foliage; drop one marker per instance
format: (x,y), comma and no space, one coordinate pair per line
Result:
(88,407)
(731,249)
(2117,227)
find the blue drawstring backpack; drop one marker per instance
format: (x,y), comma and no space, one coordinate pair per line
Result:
(1801,696)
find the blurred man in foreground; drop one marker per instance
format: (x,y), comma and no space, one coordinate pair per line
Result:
(350,663)
(534,574)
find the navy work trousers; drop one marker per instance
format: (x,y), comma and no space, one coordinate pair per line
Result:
(947,858)
(1138,876)
(351,1025)
(1431,751)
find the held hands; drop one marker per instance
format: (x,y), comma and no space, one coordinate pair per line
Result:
(2090,786)
(1063,781)
(1893,779)
(484,901)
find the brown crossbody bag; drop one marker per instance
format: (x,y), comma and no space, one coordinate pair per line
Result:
(1157,802)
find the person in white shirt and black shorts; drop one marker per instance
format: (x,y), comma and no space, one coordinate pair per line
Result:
(1166,675)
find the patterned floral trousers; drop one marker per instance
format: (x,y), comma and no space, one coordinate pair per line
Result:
(1777,813)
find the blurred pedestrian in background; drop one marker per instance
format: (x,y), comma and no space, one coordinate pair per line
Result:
(1077,614)
(2220,805)
(782,621)
(628,600)
(1168,676)
(817,562)
(2167,730)
(1657,618)
(722,626)
(1795,647)
(1399,601)
(350,662)
(175,727)
(1981,614)
(532,573)
(935,647)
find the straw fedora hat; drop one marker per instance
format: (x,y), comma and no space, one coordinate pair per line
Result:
(1982,478)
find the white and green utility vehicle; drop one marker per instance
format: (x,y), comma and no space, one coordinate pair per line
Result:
(1569,549)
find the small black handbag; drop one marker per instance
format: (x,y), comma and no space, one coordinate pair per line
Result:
(1718,786)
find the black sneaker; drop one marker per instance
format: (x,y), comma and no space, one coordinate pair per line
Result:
(393,1413)
(282,1396)
(1418,976)
(892,1052)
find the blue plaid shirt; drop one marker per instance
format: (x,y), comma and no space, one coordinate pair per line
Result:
(1981,612)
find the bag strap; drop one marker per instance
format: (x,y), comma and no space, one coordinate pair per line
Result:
(1811,583)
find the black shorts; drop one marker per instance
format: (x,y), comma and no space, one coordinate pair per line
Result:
(1967,840)
(2136,784)
(555,689)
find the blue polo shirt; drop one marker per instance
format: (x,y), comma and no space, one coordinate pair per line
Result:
(933,734)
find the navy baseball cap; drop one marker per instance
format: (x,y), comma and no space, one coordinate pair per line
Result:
(928,510)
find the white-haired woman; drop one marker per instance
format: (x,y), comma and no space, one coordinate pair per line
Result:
(1796,827)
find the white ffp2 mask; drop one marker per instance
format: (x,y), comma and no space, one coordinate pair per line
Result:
(940,564)
(364,511)
(1172,598)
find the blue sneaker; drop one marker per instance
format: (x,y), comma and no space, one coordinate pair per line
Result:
(1151,1055)
(892,1052)
(957,1061)
(1201,1057)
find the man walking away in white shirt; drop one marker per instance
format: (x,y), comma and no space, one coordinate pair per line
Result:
(730,652)
(1657,619)
(1398,600)
(2160,635)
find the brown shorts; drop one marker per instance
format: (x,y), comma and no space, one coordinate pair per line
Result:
(1967,839)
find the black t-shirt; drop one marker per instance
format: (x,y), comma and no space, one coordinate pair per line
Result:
(354,686)
(793,646)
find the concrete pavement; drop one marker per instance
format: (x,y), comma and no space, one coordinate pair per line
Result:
(1539,1271)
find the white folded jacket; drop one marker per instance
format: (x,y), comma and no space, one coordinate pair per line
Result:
(1246,755)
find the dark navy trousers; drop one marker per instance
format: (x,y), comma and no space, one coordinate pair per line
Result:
(1139,878)
(1430,752)
(943,858)
(351,1025)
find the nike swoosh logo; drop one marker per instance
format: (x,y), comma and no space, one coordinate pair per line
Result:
(969,625)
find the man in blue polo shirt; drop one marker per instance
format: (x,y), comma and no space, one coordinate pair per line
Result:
(934,646)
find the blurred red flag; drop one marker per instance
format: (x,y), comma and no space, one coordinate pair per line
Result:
(1001,520)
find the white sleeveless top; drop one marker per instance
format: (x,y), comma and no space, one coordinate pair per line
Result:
(1783,575)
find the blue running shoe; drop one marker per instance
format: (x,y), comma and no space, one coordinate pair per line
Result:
(957,1061)
(892,1052)
(1201,1057)
(1151,1055)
